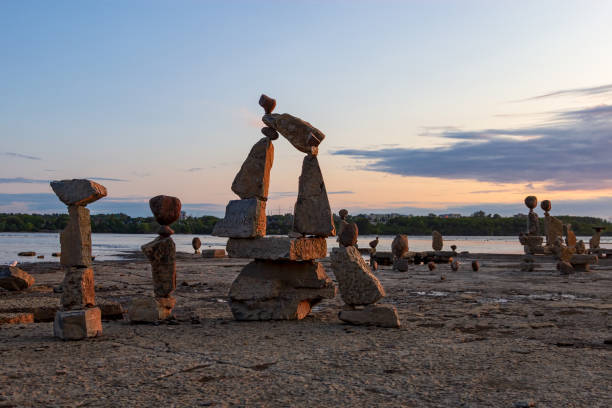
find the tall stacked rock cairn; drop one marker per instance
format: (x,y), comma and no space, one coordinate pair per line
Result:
(532,240)
(399,248)
(78,316)
(161,252)
(437,256)
(359,288)
(595,242)
(284,281)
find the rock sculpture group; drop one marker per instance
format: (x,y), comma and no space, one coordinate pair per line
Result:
(571,254)
(78,316)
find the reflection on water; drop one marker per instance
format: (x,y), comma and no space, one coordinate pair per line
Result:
(111,246)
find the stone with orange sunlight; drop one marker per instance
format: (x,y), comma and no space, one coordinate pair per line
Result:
(312,214)
(78,324)
(278,248)
(78,288)
(14,279)
(253,179)
(78,191)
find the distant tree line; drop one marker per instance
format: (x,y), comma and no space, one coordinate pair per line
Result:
(478,223)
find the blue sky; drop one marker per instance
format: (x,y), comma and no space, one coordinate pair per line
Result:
(427,105)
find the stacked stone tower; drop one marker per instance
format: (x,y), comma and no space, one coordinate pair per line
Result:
(284,281)
(161,252)
(78,316)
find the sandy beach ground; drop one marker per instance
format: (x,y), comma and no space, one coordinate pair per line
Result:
(494,338)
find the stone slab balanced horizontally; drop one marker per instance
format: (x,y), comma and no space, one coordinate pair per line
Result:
(14,279)
(278,248)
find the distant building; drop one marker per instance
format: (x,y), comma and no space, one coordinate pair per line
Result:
(449,216)
(381,218)
(183,215)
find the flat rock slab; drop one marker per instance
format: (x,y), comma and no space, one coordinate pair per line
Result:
(357,284)
(213,253)
(372,315)
(296,131)
(78,288)
(161,252)
(253,179)
(78,324)
(16,318)
(278,248)
(12,278)
(150,309)
(78,191)
(312,214)
(44,308)
(243,219)
(266,290)
(75,239)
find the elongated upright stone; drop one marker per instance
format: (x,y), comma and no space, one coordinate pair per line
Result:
(554,228)
(78,288)
(312,213)
(243,219)
(75,239)
(357,284)
(437,242)
(253,179)
(161,252)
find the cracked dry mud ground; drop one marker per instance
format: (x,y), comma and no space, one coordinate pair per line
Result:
(476,339)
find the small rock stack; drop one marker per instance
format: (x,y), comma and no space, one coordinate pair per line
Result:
(359,288)
(532,241)
(284,281)
(161,252)
(78,316)
(399,248)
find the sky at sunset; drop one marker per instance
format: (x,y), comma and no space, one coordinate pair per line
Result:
(427,106)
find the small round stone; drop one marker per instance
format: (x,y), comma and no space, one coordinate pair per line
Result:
(343,213)
(165,231)
(267,103)
(475,266)
(431,265)
(269,133)
(196,243)
(531,202)
(454,248)
(166,209)
(546,205)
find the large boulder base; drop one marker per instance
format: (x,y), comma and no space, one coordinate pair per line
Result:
(267,290)
(161,252)
(78,191)
(372,315)
(75,239)
(78,288)
(357,284)
(312,214)
(243,219)
(253,179)
(278,248)
(13,278)
(150,309)
(78,324)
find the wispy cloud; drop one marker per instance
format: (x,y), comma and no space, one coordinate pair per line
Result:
(570,150)
(21,156)
(341,192)
(22,180)
(194,169)
(107,179)
(589,91)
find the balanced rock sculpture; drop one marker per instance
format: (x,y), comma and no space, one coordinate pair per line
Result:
(399,248)
(532,241)
(284,281)
(78,317)
(161,252)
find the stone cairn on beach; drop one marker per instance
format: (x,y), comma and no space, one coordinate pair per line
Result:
(343,213)
(531,240)
(595,241)
(78,316)
(196,243)
(358,286)
(373,262)
(161,252)
(399,249)
(284,280)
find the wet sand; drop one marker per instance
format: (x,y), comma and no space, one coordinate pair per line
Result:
(494,338)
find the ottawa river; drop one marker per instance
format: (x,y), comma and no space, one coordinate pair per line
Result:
(111,246)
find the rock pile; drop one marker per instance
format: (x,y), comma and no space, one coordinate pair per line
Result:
(78,316)
(284,281)
(161,252)
(532,241)
(360,289)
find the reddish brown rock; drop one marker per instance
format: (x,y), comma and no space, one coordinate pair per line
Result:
(161,252)
(475,266)
(267,103)
(75,239)
(150,309)
(312,214)
(14,279)
(278,248)
(213,253)
(349,235)
(196,243)
(78,324)
(78,191)
(297,131)
(431,265)
(16,318)
(253,179)
(269,133)
(78,288)
(358,286)
(166,209)
(399,246)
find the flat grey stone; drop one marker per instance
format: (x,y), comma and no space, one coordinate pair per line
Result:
(278,248)
(243,219)
(78,191)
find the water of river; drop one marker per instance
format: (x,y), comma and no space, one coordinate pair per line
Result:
(112,246)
